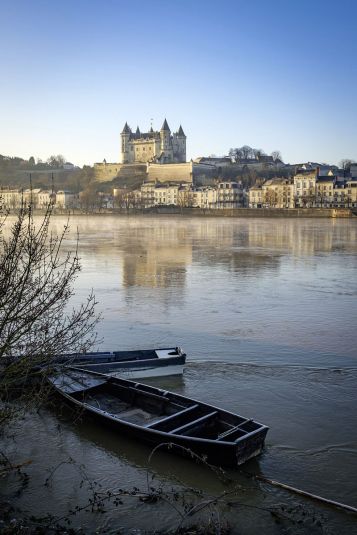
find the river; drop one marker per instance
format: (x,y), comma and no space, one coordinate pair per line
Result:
(266,310)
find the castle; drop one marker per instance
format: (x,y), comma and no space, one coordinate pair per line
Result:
(158,147)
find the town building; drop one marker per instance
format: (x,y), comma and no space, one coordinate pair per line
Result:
(353,170)
(45,198)
(305,188)
(147,194)
(66,200)
(255,197)
(324,191)
(15,198)
(205,197)
(167,195)
(278,193)
(68,166)
(351,186)
(10,198)
(229,195)
(340,196)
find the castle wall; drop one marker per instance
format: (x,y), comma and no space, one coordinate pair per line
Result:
(103,172)
(170,172)
(175,172)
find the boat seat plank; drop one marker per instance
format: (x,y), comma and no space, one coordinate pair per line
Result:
(193,423)
(173,417)
(148,394)
(229,432)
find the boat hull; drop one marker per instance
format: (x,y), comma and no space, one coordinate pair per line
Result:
(167,430)
(140,369)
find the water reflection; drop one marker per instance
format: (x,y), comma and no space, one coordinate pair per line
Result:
(156,252)
(278,295)
(151,261)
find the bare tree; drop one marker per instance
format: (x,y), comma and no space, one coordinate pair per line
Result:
(56,161)
(89,199)
(270,198)
(185,198)
(346,163)
(36,284)
(247,152)
(233,154)
(276,155)
(258,153)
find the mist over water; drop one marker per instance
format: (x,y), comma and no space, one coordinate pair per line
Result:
(266,310)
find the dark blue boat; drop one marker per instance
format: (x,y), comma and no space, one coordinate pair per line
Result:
(155,416)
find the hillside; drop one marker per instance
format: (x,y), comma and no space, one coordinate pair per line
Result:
(17,172)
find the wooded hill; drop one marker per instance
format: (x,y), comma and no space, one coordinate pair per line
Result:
(17,172)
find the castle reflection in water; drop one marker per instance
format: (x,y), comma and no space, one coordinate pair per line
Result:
(157,252)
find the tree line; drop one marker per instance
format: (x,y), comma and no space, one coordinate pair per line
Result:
(244,153)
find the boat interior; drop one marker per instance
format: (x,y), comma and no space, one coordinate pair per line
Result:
(120,356)
(158,410)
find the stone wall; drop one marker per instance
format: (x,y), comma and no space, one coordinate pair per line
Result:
(107,172)
(176,172)
(260,212)
(103,172)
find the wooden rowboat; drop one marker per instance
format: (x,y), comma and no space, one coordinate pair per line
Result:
(136,364)
(155,416)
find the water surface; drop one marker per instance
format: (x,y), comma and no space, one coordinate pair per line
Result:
(266,310)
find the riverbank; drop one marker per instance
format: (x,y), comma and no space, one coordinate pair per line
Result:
(262,212)
(231,212)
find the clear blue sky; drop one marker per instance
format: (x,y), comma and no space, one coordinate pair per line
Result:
(270,74)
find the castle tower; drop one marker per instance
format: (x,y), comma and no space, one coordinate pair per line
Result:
(180,145)
(125,135)
(165,136)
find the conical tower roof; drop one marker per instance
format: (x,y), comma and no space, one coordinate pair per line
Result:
(137,130)
(181,132)
(165,126)
(126,129)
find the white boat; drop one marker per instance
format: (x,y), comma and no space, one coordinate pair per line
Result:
(137,364)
